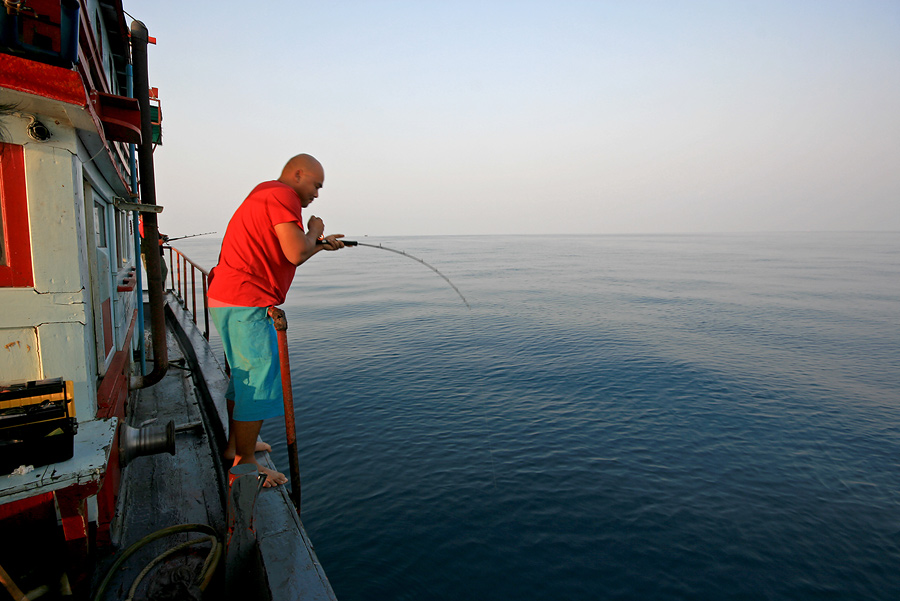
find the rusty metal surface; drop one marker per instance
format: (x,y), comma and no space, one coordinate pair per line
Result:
(284,357)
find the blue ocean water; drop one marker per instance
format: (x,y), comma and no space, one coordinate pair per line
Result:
(616,417)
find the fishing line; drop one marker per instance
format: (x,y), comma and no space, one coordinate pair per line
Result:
(435,269)
(406,254)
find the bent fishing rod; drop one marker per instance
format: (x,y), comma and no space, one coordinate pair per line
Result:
(407,255)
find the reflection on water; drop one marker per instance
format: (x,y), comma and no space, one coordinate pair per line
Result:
(621,417)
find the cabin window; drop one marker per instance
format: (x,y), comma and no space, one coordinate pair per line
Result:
(122,239)
(100,224)
(15,235)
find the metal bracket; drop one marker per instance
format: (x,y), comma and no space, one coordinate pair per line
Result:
(124,205)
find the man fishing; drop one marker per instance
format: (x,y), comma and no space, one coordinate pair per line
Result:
(263,245)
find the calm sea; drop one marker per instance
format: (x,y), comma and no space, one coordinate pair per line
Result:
(616,417)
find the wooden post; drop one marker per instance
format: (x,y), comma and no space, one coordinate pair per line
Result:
(280,320)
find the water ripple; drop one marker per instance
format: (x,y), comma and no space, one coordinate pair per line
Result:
(709,417)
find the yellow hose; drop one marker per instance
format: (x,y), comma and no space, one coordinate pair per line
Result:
(209,566)
(14,591)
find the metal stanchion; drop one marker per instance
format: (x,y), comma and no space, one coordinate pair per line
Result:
(280,320)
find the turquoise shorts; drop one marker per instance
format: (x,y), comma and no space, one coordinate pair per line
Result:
(251,346)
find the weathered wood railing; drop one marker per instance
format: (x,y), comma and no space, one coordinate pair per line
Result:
(178,277)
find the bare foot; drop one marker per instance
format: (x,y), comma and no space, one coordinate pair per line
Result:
(261,447)
(273,478)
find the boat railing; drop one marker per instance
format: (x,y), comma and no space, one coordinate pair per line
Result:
(186,290)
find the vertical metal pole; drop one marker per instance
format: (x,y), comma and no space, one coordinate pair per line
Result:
(176,285)
(194,293)
(171,271)
(139,285)
(205,309)
(155,283)
(280,320)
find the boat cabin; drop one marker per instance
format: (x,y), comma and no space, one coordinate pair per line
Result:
(69,251)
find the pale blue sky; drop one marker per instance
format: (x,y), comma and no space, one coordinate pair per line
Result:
(502,117)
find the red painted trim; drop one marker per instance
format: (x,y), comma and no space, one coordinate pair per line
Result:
(128,282)
(70,86)
(65,85)
(106,316)
(121,116)
(89,63)
(41,17)
(113,390)
(108,495)
(111,398)
(70,501)
(75,527)
(16,232)
(26,509)
(39,79)
(73,514)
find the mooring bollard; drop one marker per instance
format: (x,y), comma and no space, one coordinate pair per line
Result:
(280,322)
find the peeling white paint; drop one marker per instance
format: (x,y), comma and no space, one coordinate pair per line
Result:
(21,361)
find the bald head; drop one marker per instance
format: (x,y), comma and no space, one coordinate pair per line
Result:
(304,162)
(305,175)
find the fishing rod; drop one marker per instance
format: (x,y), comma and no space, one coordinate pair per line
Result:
(407,255)
(190,236)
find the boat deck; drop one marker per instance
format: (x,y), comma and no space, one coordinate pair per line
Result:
(169,490)
(188,488)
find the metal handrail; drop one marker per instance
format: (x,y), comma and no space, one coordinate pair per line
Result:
(178,276)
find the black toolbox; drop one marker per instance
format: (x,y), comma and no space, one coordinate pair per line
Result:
(37,423)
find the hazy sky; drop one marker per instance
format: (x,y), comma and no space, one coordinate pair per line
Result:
(504,117)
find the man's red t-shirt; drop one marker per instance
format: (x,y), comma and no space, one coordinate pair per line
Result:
(252,269)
